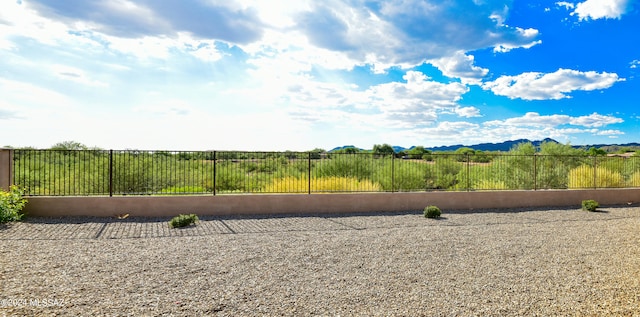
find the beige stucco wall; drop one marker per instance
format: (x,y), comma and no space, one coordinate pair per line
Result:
(319,203)
(6,157)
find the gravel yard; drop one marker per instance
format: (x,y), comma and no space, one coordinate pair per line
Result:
(502,263)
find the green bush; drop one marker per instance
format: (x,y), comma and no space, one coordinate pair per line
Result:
(183,220)
(590,205)
(432,212)
(11,204)
(583,177)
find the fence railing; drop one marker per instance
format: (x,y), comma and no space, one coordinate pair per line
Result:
(131,172)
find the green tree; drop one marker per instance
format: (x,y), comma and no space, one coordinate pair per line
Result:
(596,152)
(347,150)
(418,152)
(384,149)
(317,153)
(69,145)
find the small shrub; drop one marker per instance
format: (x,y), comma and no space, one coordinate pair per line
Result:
(634,180)
(183,220)
(432,212)
(583,177)
(11,204)
(320,185)
(590,205)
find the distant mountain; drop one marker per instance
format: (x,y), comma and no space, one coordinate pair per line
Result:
(611,148)
(503,146)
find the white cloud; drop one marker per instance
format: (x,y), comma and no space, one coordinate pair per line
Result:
(556,85)
(525,33)
(634,64)
(535,120)
(567,5)
(76,75)
(532,119)
(601,9)
(595,120)
(388,33)
(417,102)
(531,126)
(468,112)
(610,133)
(382,34)
(460,66)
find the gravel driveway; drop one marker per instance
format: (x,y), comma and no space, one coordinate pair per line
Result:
(502,263)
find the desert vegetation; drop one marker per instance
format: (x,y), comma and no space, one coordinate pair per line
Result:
(72,169)
(11,204)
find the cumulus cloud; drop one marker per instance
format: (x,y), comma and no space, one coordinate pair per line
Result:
(535,120)
(556,85)
(532,126)
(610,133)
(136,19)
(532,119)
(567,5)
(460,65)
(411,31)
(595,120)
(419,101)
(378,33)
(468,112)
(601,9)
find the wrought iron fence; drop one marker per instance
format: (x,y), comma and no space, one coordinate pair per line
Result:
(131,172)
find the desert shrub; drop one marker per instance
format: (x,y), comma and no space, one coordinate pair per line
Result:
(489,184)
(432,212)
(229,178)
(183,220)
(583,177)
(401,175)
(443,174)
(183,190)
(11,204)
(321,184)
(634,180)
(590,205)
(358,166)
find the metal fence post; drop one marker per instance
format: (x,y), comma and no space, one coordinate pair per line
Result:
(110,173)
(215,162)
(468,172)
(309,174)
(595,172)
(393,172)
(535,172)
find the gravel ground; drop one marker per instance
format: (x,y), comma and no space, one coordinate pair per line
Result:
(556,262)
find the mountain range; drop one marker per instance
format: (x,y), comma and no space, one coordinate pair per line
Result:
(502,146)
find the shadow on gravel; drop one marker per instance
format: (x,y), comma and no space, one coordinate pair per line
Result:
(89,219)
(4,226)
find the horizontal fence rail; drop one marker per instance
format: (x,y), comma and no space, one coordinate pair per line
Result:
(132,172)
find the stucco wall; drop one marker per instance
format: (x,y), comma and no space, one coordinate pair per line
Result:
(5,168)
(319,203)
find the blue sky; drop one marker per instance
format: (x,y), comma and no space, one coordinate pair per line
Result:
(299,75)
